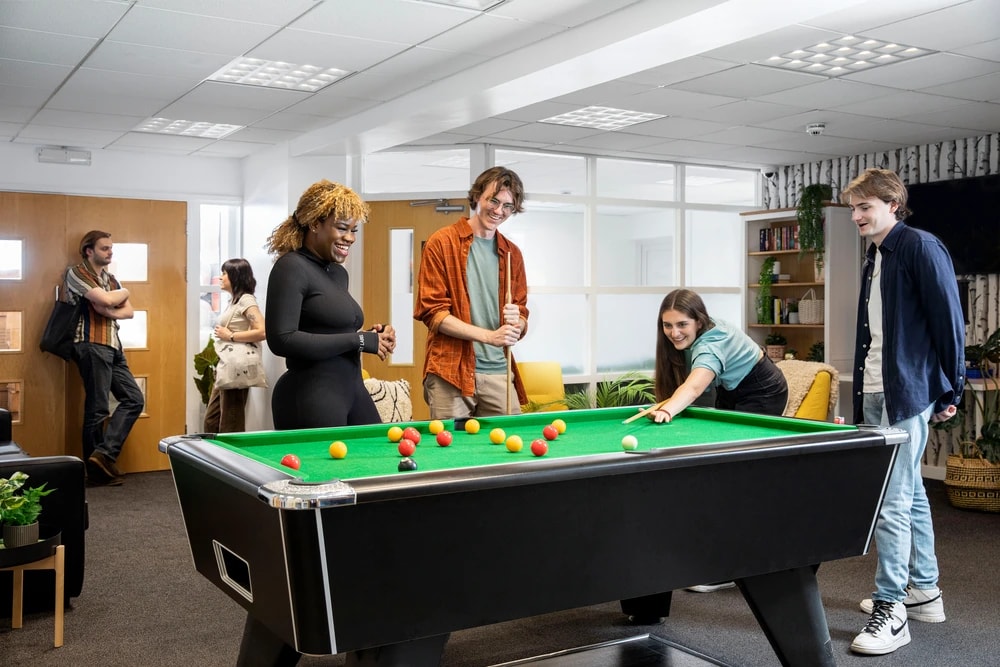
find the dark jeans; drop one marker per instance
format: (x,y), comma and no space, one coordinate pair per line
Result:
(105,372)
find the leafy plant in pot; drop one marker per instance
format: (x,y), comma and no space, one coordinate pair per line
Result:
(19,509)
(809,214)
(204,364)
(775,343)
(765,307)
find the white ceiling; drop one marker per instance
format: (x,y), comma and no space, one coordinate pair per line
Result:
(86,73)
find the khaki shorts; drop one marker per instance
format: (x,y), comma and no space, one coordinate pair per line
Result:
(446,400)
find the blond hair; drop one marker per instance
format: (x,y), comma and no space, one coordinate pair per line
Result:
(320,200)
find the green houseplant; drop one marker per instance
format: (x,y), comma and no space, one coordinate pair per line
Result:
(204,365)
(19,509)
(765,307)
(629,389)
(809,214)
(775,343)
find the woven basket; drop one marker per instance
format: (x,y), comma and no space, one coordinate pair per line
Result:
(973,482)
(810,308)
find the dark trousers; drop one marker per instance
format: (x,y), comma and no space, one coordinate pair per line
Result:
(763,391)
(227,411)
(105,373)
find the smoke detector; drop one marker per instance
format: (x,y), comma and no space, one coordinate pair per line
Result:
(815,129)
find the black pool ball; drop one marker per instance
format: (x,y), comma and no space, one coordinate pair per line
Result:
(407,464)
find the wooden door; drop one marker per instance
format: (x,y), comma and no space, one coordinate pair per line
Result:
(50,227)
(422,221)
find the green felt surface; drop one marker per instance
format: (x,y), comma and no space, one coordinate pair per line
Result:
(589,432)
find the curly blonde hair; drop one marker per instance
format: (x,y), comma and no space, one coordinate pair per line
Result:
(320,200)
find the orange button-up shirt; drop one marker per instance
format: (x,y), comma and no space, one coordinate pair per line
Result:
(443,290)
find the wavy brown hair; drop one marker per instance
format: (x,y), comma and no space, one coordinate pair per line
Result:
(320,200)
(671,367)
(494,180)
(879,183)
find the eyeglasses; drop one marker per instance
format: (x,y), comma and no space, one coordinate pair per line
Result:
(495,204)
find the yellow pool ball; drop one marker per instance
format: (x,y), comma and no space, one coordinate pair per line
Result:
(472,426)
(514,443)
(435,426)
(338,450)
(395,434)
(559,425)
(497,436)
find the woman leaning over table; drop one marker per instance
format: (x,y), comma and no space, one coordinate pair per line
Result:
(241,322)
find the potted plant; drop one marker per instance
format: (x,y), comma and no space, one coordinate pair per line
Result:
(817,352)
(775,343)
(809,214)
(204,364)
(629,389)
(19,510)
(765,307)
(793,311)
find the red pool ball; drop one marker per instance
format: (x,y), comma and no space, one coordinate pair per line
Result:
(291,461)
(539,447)
(444,438)
(550,432)
(406,447)
(413,434)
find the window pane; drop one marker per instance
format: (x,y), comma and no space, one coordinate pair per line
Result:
(545,173)
(715,249)
(636,246)
(129,262)
(712,185)
(728,307)
(401,293)
(550,237)
(549,337)
(132,332)
(10,260)
(10,399)
(626,332)
(10,331)
(630,179)
(416,171)
(219,234)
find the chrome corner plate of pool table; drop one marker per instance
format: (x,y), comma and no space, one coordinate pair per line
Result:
(292,494)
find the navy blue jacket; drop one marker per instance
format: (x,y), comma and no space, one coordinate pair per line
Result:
(923,330)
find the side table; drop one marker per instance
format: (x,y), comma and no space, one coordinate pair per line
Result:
(47,554)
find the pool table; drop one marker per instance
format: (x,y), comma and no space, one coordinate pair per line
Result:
(354,556)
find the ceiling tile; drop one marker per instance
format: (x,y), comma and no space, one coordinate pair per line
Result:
(43,47)
(925,71)
(89,121)
(490,35)
(679,70)
(979,20)
(828,93)
(412,23)
(93,102)
(567,13)
(262,11)
(65,17)
(312,48)
(979,89)
(63,136)
(981,116)
(155,61)
(898,105)
(32,75)
(751,112)
(157,27)
(88,81)
(747,81)
(215,93)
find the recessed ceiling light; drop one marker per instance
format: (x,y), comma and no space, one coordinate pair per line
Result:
(186,128)
(602,118)
(851,56)
(278,74)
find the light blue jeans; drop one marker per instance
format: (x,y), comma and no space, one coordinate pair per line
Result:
(904,533)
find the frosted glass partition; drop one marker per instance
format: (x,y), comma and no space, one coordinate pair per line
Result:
(546,173)
(713,185)
(626,331)
(10,259)
(714,248)
(551,239)
(133,332)
(556,331)
(728,307)
(401,296)
(417,171)
(632,179)
(130,262)
(636,246)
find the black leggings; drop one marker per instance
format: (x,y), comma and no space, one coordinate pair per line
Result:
(763,391)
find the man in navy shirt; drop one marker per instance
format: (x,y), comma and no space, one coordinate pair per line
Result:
(909,368)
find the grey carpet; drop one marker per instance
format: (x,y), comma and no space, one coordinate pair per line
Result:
(143,603)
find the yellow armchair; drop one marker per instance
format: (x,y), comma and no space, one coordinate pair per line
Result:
(812,389)
(543,383)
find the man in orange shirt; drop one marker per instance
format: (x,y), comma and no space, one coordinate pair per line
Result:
(472,309)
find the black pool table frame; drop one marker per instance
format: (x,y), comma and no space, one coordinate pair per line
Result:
(385,568)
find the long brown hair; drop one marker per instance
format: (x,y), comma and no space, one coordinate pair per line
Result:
(671,366)
(320,200)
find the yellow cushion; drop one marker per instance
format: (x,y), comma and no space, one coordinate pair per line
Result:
(365,375)
(543,383)
(816,404)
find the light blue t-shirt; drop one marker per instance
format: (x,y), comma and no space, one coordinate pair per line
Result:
(726,351)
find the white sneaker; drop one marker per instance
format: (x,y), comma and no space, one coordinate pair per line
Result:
(922,604)
(711,588)
(885,631)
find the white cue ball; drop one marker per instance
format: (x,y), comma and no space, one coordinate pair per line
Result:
(629,442)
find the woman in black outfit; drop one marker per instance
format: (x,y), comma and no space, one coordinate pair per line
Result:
(313,321)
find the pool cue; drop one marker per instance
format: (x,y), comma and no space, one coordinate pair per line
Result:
(650,409)
(507,351)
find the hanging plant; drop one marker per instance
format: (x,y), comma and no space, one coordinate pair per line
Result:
(810,218)
(765,306)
